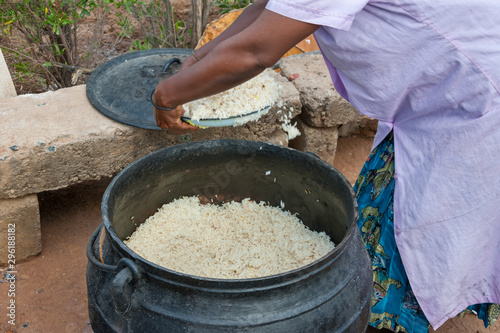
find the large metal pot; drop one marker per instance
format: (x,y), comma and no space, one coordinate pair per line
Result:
(129,294)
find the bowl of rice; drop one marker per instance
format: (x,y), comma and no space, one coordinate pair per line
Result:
(234,107)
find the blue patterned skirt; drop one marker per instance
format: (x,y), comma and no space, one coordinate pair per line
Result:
(394,306)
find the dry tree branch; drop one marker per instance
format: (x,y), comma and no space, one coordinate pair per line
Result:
(151,21)
(196,13)
(205,14)
(169,24)
(75,42)
(48,74)
(138,18)
(82,70)
(67,49)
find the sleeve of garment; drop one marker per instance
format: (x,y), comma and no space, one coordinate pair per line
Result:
(337,14)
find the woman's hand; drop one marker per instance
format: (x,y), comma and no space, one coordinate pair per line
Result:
(171,120)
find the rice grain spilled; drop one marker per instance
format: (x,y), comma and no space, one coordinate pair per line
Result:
(235,240)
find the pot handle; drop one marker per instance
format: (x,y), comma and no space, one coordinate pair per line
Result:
(169,63)
(91,256)
(127,277)
(124,284)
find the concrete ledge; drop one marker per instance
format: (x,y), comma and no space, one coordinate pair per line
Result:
(7,88)
(20,228)
(56,139)
(320,141)
(322,104)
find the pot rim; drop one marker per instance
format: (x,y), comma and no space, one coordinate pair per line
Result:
(155,270)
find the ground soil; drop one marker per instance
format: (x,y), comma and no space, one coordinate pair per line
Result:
(51,295)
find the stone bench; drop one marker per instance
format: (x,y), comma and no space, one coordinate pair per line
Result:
(56,139)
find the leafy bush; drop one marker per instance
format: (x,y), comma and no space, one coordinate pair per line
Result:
(156,21)
(42,39)
(46,38)
(48,31)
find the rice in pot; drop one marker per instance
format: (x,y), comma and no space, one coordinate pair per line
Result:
(235,240)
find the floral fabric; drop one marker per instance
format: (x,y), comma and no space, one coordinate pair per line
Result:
(394,305)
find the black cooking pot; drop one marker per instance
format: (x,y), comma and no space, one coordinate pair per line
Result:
(127,293)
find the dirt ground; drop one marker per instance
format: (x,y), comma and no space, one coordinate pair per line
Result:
(51,288)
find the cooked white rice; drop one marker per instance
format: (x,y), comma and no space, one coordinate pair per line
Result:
(235,240)
(253,95)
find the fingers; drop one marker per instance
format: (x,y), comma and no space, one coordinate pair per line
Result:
(171,120)
(188,63)
(182,128)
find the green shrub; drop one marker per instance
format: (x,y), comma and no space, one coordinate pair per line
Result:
(46,41)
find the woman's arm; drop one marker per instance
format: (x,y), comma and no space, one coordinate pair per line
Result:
(247,17)
(242,53)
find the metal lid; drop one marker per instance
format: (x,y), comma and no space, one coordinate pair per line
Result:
(121,87)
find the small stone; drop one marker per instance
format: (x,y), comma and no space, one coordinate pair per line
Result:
(51,149)
(185,138)
(14,148)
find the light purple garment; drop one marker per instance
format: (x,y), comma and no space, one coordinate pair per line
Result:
(429,70)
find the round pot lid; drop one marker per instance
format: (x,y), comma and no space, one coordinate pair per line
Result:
(121,87)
